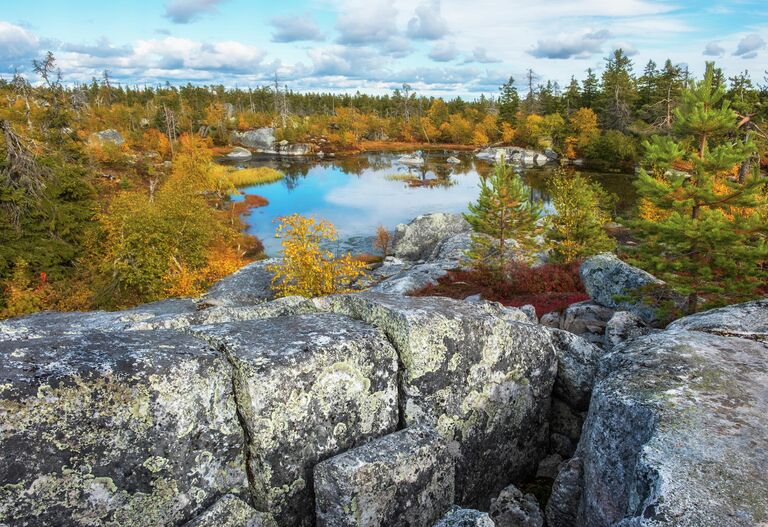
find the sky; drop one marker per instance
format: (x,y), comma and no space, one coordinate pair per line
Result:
(439,47)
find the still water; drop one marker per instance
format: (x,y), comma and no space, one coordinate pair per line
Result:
(360,192)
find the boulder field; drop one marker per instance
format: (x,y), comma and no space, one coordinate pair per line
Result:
(378,409)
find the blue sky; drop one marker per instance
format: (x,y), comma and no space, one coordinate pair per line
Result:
(444,47)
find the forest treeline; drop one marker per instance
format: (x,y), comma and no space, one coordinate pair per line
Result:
(87,223)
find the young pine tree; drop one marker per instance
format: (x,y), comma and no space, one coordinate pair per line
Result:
(502,211)
(577,228)
(703,232)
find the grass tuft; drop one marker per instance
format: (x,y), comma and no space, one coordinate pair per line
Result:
(244,177)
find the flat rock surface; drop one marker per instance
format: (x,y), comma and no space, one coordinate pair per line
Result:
(231,511)
(132,428)
(403,479)
(308,387)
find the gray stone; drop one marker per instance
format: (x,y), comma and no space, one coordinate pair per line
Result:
(562,445)
(749,320)
(453,160)
(512,508)
(623,326)
(587,319)
(613,283)
(107,136)
(417,239)
(231,511)
(411,278)
(551,319)
(473,371)
(577,362)
(458,517)
(530,312)
(122,428)
(563,504)
(403,479)
(308,387)
(564,420)
(260,139)
(411,159)
(248,286)
(675,432)
(239,154)
(474,298)
(548,467)
(452,250)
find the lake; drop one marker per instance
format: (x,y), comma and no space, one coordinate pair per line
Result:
(358,193)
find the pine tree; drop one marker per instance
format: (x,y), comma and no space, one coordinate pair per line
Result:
(703,232)
(619,91)
(509,101)
(502,211)
(572,96)
(590,90)
(577,228)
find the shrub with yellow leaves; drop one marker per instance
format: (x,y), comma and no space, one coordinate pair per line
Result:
(307,269)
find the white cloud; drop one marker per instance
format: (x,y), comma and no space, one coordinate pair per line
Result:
(713,49)
(444,52)
(428,23)
(16,44)
(749,46)
(568,46)
(185,11)
(293,28)
(480,54)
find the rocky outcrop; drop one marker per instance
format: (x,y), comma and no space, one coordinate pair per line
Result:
(231,511)
(262,140)
(417,239)
(115,428)
(458,517)
(308,387)
(404,479)
(563,505)
(239,153)
(576,368)
(615,284)
(672,429)
(477,372)
(250,285)
(109,136)
(512,508)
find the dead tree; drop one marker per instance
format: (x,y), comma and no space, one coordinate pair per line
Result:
(22,174)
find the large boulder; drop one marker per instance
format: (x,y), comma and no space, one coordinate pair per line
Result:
(749,320)
(231,511)
(577,361)
(308,388)
(623,326)
(249,285)
(587,319)
(417,239)
(563,504)
(512,508)
(480,373)
(115,428)
(108,136)
(404,479)
(675,428)
(614,283)
(259,139)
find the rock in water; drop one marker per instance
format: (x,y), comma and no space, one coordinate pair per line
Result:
(512,508)
(239,154)
(308,387)
(613,283)
(404,479)
(417,239)
(453,160)
(259,139)
(231,511)
(123,428)
(677,427)
(474,371)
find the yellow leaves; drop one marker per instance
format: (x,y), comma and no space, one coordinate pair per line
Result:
(583,126)
(307,269)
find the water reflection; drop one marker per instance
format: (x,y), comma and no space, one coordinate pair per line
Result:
(358,193)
